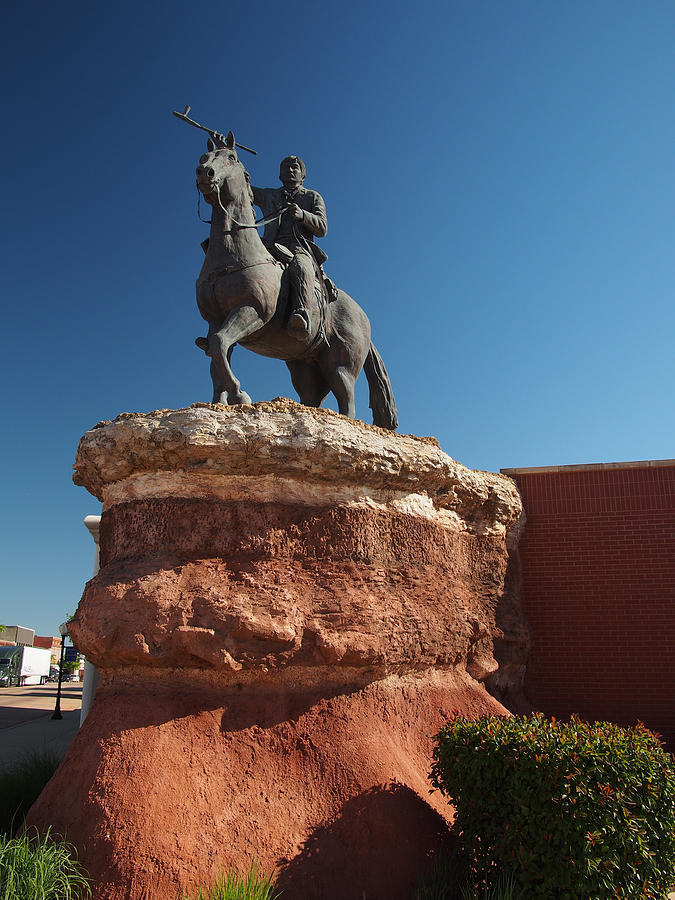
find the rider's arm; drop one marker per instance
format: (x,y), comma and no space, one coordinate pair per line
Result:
(258,196)
(314,220)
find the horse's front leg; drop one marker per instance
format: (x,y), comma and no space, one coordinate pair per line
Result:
(241,322)
(218,386)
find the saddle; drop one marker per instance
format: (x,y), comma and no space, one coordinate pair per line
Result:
(325,292)
(329,290)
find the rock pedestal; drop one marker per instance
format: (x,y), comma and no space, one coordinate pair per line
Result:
(290,604)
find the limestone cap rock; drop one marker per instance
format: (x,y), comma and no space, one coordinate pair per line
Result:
(316,455)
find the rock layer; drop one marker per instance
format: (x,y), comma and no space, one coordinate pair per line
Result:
(289,606)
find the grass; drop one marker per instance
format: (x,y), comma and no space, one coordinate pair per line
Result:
(447,880)
(505,889)
(235,886)
(20,785)
(38,868)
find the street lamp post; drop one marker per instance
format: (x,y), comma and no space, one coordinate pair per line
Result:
(63,629)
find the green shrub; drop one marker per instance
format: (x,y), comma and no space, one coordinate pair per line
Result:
(21,784)
(36,868)
(235,886)
(569,810)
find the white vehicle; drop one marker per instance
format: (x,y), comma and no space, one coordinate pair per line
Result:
(24,665)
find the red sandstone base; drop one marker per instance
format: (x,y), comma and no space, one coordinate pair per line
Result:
(290,605)
(345,810)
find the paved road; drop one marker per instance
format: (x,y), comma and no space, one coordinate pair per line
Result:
(26,723)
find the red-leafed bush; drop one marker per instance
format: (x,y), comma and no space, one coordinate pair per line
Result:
(566,809)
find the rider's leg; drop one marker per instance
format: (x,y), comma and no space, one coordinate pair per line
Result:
(309,382)
(241,322)
(301,272)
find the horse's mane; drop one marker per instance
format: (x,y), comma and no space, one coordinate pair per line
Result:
(248,182)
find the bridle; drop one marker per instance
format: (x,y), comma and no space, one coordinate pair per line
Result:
(264,220)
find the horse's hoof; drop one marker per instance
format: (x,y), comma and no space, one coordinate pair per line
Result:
(239,397)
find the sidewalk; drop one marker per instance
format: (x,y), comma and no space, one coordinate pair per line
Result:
(26,724)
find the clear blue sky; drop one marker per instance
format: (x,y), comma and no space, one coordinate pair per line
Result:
(499,179)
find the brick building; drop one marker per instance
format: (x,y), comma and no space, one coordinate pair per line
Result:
(49,643)
(598,590)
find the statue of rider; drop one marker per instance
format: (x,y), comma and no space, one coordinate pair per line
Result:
(290,238)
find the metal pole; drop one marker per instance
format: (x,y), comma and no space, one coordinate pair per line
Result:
(57,708)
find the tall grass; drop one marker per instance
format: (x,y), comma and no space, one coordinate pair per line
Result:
(38,868)
(235,886)
(448,880)
(504,889)
(21,783)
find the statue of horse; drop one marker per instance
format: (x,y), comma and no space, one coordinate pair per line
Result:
(242,294)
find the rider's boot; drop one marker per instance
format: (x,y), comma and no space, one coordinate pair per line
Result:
(302,280)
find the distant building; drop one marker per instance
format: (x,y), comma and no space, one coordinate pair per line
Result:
(49,643)
(17,634)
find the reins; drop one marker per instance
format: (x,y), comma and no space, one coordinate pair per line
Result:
(265,220)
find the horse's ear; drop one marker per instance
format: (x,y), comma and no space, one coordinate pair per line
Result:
(230,141)
(210,146)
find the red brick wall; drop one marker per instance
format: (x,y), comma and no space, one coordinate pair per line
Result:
(598,570)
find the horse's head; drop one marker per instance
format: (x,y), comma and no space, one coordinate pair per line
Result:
(220,174)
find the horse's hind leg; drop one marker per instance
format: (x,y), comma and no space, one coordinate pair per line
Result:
(240,323)
(309,382)
(341,381)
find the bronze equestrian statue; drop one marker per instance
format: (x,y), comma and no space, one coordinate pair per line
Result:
(274,298)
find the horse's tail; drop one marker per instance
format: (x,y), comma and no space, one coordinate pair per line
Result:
(382,402)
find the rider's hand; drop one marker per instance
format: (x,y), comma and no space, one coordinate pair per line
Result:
(295,211)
